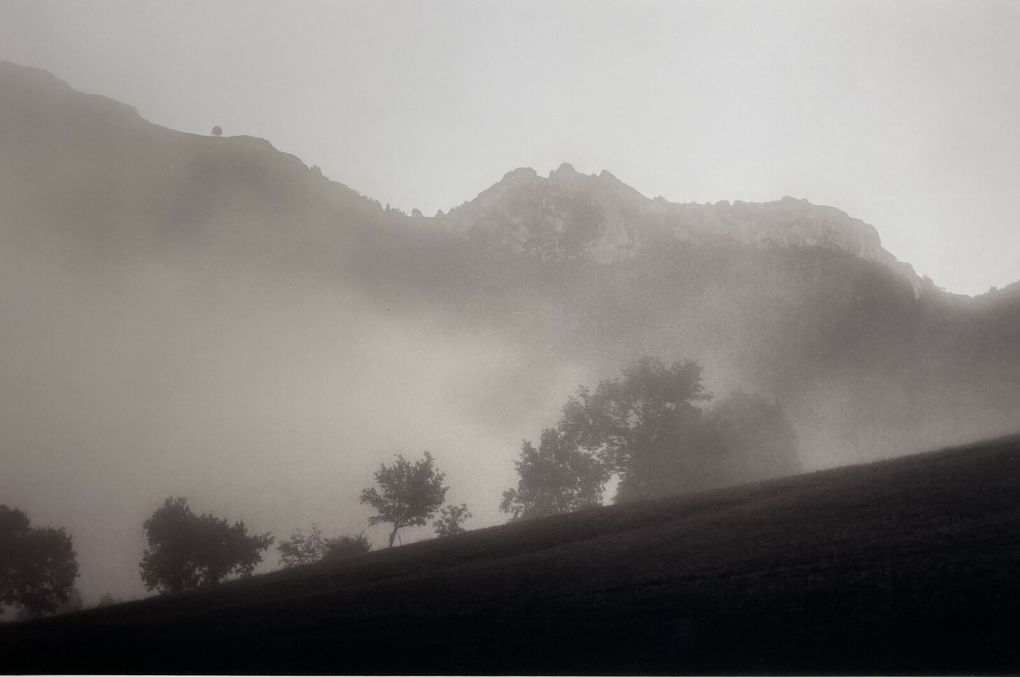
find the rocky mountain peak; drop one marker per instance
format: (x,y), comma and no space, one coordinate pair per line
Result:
(521,174)
(570,214)
(564,170)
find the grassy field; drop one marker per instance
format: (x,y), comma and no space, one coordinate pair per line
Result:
(905,566)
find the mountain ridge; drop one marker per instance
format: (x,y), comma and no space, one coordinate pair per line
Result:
(772,296)
(597,214)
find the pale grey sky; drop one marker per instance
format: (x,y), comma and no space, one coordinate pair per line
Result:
(901,113)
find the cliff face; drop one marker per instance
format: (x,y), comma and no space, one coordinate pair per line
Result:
(569,214)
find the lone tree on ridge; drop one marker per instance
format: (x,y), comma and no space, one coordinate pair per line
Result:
(407,494)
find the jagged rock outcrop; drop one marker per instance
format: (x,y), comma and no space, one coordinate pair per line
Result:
(569,214)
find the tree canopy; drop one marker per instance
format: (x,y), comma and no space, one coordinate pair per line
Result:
(758,437)
(556,477)
(406,494)
(451,520)
(651,428)
(37,565)
(106,600)
(187,550)
(302,548)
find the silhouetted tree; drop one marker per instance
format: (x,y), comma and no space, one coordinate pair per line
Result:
(346,546)
(647,426)
(73,603)
(555,478)
(37,564)
(106,600)
(451,519)
(187,550)
(758,438)
(217,131)
(408,494)
(303,548)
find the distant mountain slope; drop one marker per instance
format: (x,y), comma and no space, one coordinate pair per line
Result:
(793,300)
(91,168)
(905,566)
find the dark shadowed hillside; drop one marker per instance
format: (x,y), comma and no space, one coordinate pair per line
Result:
(905,566)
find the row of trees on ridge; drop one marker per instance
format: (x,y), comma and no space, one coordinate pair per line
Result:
(186,550)
(651,428)
(38,566)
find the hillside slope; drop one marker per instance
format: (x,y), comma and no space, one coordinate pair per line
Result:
(900,566)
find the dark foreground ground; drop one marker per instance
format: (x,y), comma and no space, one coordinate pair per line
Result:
(908,566)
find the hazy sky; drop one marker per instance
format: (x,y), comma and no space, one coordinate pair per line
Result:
(903,114)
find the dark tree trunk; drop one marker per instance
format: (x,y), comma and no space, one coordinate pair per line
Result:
(393,534)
